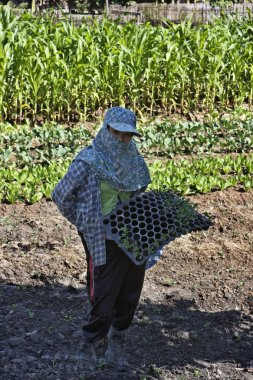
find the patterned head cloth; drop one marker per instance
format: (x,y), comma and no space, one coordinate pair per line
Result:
(116,162)
(121,119)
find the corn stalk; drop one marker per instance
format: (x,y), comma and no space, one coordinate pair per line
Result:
(57,71)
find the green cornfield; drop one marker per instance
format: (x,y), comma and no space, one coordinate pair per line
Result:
(51,70)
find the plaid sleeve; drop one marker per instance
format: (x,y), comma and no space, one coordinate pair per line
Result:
(64,194)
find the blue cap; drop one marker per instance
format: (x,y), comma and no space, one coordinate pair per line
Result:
(122,120)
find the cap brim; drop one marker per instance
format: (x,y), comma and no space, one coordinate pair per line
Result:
(122,127)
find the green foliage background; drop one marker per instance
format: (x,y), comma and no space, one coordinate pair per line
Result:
(53,71)
(33,160)
(56,71)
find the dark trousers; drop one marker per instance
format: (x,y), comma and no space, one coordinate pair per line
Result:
(114,290)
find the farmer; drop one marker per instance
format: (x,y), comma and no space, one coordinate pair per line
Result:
(109,171)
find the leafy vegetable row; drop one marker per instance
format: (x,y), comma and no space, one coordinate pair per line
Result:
(23,145)
(30,184)
(167,138)
(204,174)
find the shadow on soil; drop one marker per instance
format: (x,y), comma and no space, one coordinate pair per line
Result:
(40,335)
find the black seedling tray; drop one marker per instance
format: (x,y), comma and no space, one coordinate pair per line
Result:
(148,221)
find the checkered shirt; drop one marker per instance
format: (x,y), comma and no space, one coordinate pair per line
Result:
(77,197)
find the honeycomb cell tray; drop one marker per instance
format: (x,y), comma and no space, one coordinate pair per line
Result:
(150,220)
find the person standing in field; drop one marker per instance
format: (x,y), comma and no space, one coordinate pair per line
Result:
(109,171)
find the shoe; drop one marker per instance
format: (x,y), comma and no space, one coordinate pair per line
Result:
(115,352)
(90,348)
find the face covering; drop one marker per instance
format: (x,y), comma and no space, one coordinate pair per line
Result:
(118,163)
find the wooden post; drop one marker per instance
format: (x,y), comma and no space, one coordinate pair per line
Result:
(107,7)
(33,6)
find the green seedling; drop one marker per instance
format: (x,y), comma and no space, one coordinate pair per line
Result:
(130,245)
(170,282)
(67,240)
(30,314)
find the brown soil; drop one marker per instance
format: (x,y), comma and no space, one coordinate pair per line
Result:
(194,320)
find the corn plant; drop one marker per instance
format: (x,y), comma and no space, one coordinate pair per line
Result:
(56,71)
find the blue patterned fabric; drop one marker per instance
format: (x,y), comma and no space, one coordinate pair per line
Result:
(121,119)
(116,162)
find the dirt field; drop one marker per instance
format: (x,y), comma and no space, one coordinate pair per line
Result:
(195,316)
